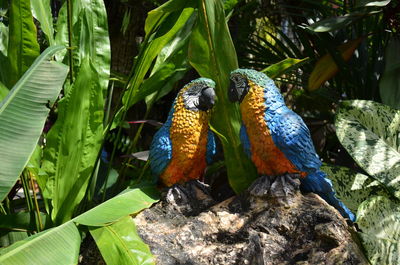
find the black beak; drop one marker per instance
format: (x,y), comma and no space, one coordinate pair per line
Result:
(206,99)
(232,92)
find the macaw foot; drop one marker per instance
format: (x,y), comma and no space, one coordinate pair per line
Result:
(279,187)
(189,198)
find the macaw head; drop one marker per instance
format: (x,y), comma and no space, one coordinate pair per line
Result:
(239,86)
(199,95)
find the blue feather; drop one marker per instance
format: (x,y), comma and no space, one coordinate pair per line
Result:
(161,147)
(244,138)
(293,138)
(211,148)
(321,185)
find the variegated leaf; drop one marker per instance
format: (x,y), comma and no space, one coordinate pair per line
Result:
(351,187)
(370,133)
(379,220)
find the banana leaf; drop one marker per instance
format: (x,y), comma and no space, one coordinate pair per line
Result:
(23,114)
(73,143)
(23,47)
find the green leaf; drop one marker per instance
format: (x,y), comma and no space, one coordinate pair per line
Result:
(41,10)
(334,23)
(119,243)
(165,76)
(212,54)
(157,16)
(23,47)
(23,114)
(90,36)
(229,5)
(284,66)
(73,143)
(9,238)
(58,245)
(20,220)
(61,244)
(369,132)
(3,91)
(3,39)
(379,220)
(162,24)
(389,83)
(159,84)
(129,202)
(170,66)
(367,3)
(351,187)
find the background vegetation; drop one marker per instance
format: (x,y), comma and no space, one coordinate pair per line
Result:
(85,84)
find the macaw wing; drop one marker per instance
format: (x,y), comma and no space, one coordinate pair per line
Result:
(292,137)
(244,138)
(160,151)
(211,148)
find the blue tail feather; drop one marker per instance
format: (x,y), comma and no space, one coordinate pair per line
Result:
(318,183)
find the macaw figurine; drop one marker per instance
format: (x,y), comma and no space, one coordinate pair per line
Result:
(184,145)
(276,138)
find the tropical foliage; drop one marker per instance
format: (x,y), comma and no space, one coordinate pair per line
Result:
(370,132)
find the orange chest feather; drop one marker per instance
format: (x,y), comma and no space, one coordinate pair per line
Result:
(188,135)
(268,159)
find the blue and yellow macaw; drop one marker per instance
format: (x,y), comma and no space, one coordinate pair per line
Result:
(184,145)
(276,138)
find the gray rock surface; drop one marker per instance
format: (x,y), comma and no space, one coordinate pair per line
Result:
(271,223)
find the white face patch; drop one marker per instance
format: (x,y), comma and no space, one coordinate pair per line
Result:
(191,96)
(241,86)
(240,82)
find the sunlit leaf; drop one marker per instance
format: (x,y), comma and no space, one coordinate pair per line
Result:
(162,24)
(23,47)
(3,39)
(366,3)
(284,66)
(119,243)
(90,36)
(333,23)
(23,114)
(73,143)
(143,155)
(370,133)
(379,221)
(326,68)
(3,91)
(58,245)
(129,202)
(41,10)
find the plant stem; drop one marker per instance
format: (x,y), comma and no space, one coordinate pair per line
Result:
(3,210)
(40,225)
(69,24)
(28,198)
(108,109)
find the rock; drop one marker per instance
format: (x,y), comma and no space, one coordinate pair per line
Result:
(271,223)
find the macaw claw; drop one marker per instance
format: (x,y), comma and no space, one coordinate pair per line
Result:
(275,186)
(189,198)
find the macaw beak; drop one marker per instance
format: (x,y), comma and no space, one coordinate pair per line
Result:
(232,92)
(206,99)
